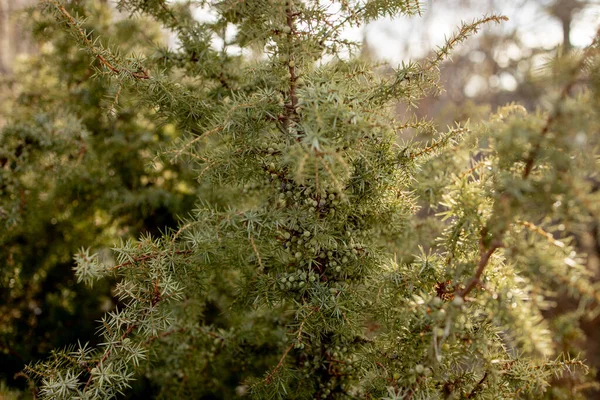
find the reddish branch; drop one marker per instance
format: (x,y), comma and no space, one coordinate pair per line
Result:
(299,334)
(165,9)
(156,298)
(557,109)
(144,258)
(462,34)
(256,252)
(107,353)
(269,377)
(486,252)
(477,387)
(180,330)
(441,141)
(549,122)
(140,74)
(292,104)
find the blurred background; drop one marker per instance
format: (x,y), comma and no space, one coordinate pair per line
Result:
(512,62)
(533,24)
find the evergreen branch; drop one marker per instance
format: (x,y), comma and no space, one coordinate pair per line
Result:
(163,6)
(144,258)
(465,31)
(113,107)
(536,229)
(206,169)
(555,114)
(183,229)
(216,129)
(485,253)
(196,139)
(337,183)
(477,387)
(291,106)
(31,370)
(338,196)
(107,354)
(164,335)
(150,8)
(473,169)
(422,76)
(335,28)
(442,141)
(585,202)
(180,330)
(270,376)
(592,293)
(83,36)
(256,252)
(301,327)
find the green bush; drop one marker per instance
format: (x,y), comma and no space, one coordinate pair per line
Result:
(73,174)
(325,258)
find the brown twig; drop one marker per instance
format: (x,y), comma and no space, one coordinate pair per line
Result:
(107,354)
(269,377)
(164,335)
(292,104)
(464,31)
(168,11)
(473,169)
(477,387)
(536,229)
(549,122)
(113,107)
(555,114)
(144,258)
(256,252)
(301,327)
(141,74)
(485,253)
(435,144)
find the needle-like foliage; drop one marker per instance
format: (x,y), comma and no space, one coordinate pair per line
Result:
(306,270)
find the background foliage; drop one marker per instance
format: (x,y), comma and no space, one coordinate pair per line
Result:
(76,171)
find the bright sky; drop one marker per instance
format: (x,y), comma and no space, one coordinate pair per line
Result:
(403,38)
